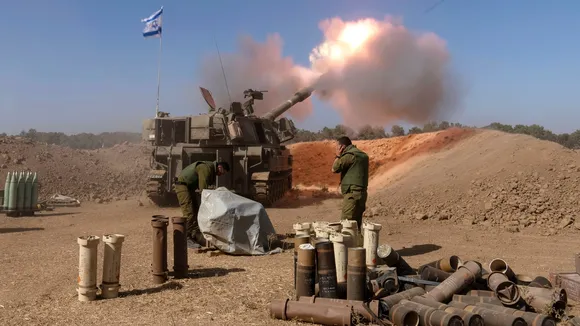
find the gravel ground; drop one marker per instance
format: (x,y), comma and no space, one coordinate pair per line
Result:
(39,261)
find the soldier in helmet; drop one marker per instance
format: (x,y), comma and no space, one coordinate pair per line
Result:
(196,176)
(353,166)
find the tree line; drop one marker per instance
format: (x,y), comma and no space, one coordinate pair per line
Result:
(109,139)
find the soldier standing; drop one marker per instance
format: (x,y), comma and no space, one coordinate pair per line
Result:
(196,176)
(353,166)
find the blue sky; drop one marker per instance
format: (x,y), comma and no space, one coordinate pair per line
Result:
(83,66)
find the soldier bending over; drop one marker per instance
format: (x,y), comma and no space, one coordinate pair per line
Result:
(353,166)
(196,176)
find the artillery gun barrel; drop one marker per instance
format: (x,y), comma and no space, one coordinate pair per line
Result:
(299,96)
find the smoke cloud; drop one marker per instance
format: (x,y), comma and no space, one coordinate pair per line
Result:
(371,72)
(260,67)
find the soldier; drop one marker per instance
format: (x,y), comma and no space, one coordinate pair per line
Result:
(196,176)
(353,166)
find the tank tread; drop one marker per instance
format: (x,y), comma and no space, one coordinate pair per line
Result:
(272,190)
(157,195)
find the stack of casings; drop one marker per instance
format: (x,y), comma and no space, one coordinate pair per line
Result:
(21,192)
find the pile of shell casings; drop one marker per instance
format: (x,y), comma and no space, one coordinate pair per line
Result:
(344,278)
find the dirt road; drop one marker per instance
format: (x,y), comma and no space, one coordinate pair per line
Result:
(39,259)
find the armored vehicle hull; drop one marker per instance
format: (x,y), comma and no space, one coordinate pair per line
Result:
(261,167)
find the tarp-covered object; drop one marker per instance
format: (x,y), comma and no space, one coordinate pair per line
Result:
(234,224)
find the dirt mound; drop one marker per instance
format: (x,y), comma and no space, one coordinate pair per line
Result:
(313,160)
(492,178)
(100,175)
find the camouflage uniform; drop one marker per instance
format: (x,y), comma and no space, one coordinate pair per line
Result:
(196,176)
(353,166)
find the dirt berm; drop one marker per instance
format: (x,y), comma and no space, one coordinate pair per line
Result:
(462,175)
(100,175)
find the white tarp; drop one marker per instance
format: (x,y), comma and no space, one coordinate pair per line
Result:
(234,224)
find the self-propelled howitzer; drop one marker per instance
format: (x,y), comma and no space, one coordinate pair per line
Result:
(261,167)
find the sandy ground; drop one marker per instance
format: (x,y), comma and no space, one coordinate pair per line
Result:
(39,259)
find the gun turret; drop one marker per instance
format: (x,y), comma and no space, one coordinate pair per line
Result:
(299,96)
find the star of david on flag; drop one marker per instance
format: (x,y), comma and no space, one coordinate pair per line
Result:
(153,24)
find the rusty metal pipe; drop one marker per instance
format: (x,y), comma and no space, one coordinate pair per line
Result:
(305,270)
(501,266)
(533,319)
(468,318)
(547,301)
(506,291)
(403,316)
(448,264)
(326,270)
(393,299)
(164,248)
(540,282)
(356,274)
(357,306)
(491,317)
(431,316)
(313,313)
(159,264)
(392,258)
(481,293)
(469,299)
(299,240)
(464,276)
(433,274)
(180,266)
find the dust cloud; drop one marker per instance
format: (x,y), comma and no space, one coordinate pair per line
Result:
(259,66)
(371,72)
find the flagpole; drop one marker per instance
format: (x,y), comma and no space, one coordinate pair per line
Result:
(159,72)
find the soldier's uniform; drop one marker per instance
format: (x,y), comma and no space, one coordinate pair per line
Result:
(198,175)
(353,166)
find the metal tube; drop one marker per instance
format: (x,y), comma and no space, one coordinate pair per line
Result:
(545,301)
(305,270)
(540,282)
(392,258)
(500,265)
(469,299)
(357,306)
(468,318)
(159,264)
(298,240)
(505,290)
(164,248)
(392,300)
(314,313)
(341,243)
(371,242)
(423,311)
(356,274)
(448,264)
(335,227)
(180,264)
(533,319)
(491,317)
(87,279)
(326,270)
(433,274)
(302,229)
(464,276)
(481,293)
(403,316)
(111,265)
(351,227)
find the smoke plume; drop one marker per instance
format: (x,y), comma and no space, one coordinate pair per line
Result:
(260,67)
(372,72)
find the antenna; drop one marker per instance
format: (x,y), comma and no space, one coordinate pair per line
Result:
(434,6)
(223,71)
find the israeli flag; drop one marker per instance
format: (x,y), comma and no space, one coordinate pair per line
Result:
(153,24)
